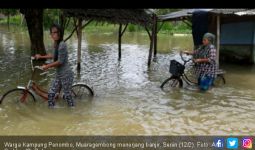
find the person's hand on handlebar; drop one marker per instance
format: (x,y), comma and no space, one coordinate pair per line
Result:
(50,65)
(44,67)
(38,56)
(195,60)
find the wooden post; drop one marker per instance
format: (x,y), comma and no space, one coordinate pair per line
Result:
(79,44)
(8,21)
(120,30)
(21,20)
(155,30)
(120,35)
(218,41)
(150,51)
(151,45)
(58,17)
(253,46)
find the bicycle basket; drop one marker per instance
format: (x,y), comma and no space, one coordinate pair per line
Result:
(176,68)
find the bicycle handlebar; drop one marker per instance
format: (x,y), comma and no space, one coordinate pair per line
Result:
(46,72)
(31,61)
(37,67)
(185,61)
(40,68)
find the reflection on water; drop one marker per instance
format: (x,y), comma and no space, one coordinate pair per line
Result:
(128,99)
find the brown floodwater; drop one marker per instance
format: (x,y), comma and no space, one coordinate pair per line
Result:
(128,99)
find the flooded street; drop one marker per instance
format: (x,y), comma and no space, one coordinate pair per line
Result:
(128,99)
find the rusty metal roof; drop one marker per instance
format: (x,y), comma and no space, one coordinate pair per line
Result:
(135,16)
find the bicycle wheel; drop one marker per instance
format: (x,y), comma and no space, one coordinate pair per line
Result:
(190,74)
(81,91)
(18,96)
(219,81)
(170,83)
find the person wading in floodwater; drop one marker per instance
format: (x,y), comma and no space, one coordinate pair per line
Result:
(64,75)
(205,62)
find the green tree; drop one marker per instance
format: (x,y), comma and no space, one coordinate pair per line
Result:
(50,16)
(34,20)
(8,13)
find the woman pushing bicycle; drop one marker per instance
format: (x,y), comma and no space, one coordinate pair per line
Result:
(205,62)
(64,75)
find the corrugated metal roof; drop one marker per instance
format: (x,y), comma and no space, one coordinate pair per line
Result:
(188,13)
(179,14)
(226,11)
(174,15)
(246,12)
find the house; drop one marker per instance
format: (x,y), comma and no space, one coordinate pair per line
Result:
(234,29)
(2,16)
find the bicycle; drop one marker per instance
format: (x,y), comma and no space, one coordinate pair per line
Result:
(26,94)
(178,75)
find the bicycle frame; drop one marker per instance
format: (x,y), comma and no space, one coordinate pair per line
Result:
(184,76)
(187,80)
(32,87)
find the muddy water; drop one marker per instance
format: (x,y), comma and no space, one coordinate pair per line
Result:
(128,99)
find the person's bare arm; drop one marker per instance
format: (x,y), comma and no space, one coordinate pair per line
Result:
(62,52)
(210,59)
(201,60)
(48,56)
(50,65)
